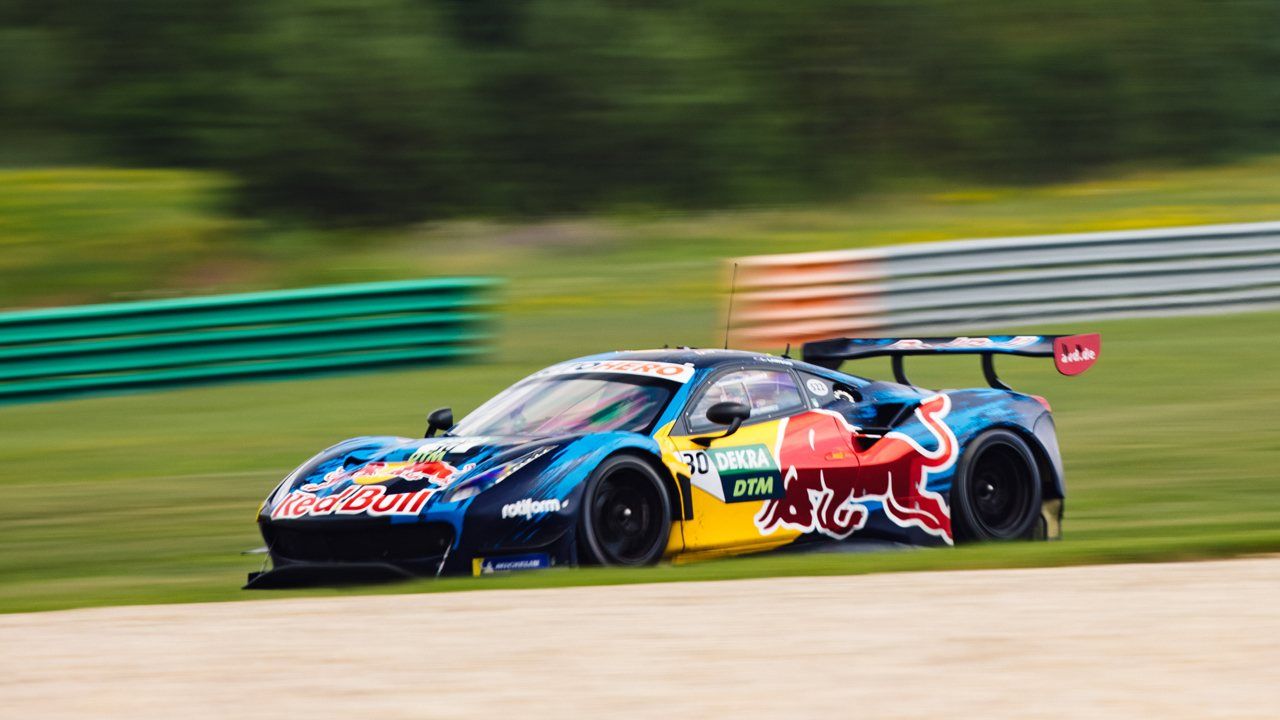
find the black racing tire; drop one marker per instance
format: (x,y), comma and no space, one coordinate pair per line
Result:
(625,518)
(996,494)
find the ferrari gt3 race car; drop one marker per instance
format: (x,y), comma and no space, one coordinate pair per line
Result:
(627,458)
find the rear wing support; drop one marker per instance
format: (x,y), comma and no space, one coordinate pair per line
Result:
(1072,354)
(989,372)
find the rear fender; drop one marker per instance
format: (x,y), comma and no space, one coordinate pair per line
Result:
(976,411)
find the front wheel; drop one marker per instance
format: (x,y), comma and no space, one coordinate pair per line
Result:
(996,494)
(626,518)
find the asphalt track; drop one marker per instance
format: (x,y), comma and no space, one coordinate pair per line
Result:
(1186,640)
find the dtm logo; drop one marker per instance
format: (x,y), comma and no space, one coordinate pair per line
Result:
(529,507)
(892,472)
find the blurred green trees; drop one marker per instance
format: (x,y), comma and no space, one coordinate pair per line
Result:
(385,111)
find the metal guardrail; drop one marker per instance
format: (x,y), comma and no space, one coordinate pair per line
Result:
(1006,281)
(57,352)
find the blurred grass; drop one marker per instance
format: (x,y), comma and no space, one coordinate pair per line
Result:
(1170,442)
(92,235)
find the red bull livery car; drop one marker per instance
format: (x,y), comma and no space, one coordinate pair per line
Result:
(628,458)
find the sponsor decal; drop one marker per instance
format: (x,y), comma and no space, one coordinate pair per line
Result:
(355,500)
(735,474)
(429,454)
(1074,354)
(488,566)
(437,472)
(831,500)
(516,466)
(667,371)
(966,342)
(817,387)
(436,449)
(529,507)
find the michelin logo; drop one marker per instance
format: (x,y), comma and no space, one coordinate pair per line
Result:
(529,507)
(488,566)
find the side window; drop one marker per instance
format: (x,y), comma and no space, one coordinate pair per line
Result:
(769,393)
(826,392)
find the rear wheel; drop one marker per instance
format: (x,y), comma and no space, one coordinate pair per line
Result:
(996,494)
(626,518)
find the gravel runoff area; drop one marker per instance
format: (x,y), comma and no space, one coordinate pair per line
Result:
(1179,640)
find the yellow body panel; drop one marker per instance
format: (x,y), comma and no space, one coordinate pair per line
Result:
(720,528)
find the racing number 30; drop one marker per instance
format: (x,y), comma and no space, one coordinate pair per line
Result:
(697,462)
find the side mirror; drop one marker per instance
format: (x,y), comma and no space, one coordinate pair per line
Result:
(439,419)
(732,414)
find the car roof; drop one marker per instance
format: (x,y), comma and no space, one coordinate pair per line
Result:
(697,357)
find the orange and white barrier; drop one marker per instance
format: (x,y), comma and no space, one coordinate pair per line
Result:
(954,287)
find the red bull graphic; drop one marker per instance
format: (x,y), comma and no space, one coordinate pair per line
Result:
(355,500)
(824,496)
(437,472)
(817,486)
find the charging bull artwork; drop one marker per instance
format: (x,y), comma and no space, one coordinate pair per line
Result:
(827,497)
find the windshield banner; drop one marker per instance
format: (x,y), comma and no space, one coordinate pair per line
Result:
(667,371)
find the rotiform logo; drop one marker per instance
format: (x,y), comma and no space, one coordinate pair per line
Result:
(529,507)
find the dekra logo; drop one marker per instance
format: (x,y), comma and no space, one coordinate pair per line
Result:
(754,457)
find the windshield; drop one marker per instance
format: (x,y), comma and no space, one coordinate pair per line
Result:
(571,404)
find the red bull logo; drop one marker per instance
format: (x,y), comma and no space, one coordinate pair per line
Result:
(831,499)
(355,500)
(437,472)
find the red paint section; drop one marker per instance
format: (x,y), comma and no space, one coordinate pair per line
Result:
(817,490)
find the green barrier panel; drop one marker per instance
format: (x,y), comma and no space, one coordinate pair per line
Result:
(60,352)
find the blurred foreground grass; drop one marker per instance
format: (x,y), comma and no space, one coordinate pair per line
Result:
(1171,442)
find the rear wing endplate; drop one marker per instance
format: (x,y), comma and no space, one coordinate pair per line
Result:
(1072,354)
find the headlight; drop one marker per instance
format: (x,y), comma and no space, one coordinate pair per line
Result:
(465,492)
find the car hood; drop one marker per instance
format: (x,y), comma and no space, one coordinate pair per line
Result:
(395,476)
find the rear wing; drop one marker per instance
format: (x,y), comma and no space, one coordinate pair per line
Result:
(1072,354)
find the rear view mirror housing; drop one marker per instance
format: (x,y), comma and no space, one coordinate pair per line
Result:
(732,414)
(439,419)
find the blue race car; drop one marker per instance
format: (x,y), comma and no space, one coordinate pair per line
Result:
(628,458)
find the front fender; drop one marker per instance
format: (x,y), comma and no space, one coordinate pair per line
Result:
(321,462)
(539,505)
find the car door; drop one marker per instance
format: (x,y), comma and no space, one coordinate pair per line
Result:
(738,486)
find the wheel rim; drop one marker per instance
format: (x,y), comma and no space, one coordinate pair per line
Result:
(627,518)
(1000,490)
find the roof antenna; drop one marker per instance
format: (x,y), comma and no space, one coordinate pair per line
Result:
(787,353)
(728,320)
